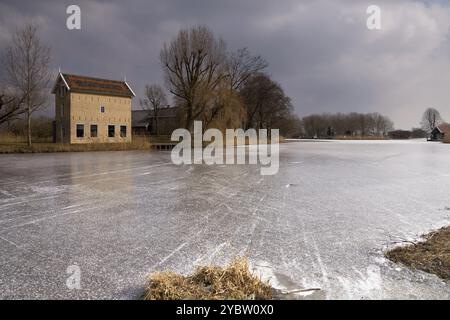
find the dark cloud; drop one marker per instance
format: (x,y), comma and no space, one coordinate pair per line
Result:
(320,51)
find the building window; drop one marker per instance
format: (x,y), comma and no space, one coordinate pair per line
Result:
(102,109)
(123,131)
(63,131)
(93,131)
(111,131)
(80,130)
(62,110)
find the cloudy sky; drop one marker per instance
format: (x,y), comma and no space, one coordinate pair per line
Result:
(320,51)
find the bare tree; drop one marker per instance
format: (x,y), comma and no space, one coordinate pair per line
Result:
(224,107)
(384,125)
(315,126)
(373,124)
(240,66)
(431,119)
(154,100)
(194,68)
(290,126)
(265,101)
(11,107)
(221,89)
(26,63)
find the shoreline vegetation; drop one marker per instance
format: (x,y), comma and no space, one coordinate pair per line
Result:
(16,144)
(362,138)
(431,255)
(10,143)
(233,282)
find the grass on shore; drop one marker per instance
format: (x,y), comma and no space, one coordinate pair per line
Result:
(10,143)
(431,255)
(234,282)
(17,145)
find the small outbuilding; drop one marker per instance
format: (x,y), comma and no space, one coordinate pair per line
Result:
(440,132)
(145,122)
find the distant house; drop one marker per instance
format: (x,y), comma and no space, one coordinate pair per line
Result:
(400,134)
(91,110)
(143,122)
(440,132)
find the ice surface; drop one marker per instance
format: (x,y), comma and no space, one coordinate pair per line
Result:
(322,222)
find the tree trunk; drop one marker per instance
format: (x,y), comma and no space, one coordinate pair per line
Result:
(156,124)
(189,119)
(29,127)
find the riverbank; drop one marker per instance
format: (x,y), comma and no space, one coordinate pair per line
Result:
(431,255)
(49,147)
(18,145)
(362,138)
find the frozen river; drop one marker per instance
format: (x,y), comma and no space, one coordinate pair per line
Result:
(322,222)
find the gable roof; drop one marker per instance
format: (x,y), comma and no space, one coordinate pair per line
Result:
(83,84)
(444,128)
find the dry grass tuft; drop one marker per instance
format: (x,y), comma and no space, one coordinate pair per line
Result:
(432,255)
(235,282)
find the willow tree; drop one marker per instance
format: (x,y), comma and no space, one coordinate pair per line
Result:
(193,65)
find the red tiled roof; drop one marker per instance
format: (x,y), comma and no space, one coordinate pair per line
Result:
(444,128)
(84,84)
